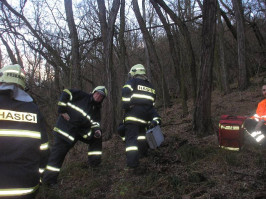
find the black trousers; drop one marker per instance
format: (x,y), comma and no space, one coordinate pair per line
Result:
(58,154)
(249,127)
(136,144)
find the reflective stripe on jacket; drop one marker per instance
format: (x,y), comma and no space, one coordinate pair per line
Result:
(138,99)
(84,115)
(260,112)
(24,146)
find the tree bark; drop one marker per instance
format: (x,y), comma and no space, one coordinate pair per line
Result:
(242,76)
(224,70)
(202,123)
(146,51)
(107,31)
(184,31)
(174,54)
(122,48)
(9,51)
(75,71)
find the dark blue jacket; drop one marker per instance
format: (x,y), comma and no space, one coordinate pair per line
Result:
(84,112)
(23,146)
(138,100)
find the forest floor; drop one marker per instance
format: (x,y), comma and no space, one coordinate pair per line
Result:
(185,166)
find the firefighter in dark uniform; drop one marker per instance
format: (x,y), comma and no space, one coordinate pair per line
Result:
(23,139)
(138,100)
(79,119)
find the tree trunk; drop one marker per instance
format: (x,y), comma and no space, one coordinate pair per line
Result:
(107,31)
(75,71)
(9,51)
(184,31)
(223,67)
(122,48)
(173,50)
(146,51)
(152,52)
(202,123)
(242,76)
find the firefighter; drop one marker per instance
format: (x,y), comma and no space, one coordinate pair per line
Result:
(23,139)
(138,100)
(79,119)
(255,126)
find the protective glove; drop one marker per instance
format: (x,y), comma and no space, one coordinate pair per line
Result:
(152,124)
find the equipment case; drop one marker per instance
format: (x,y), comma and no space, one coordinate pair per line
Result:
(231,132)
(154,137)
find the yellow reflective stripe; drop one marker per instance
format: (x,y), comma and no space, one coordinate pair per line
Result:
(51,168)
(128,86)
(77,109)
(230,148)
(17,191)
(87,135)
(142,96)
(255,133)
(259,138)
(156,118)
(92,153)
(44,146)
(125,99)
(95,124)
(11,115)
(14,71)
(60,103)
(41,170)
(70,94)
(229,127)
(135,119)
(142,137)
(132,148)
(19,133)
(64,133)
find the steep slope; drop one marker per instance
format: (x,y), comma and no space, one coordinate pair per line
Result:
(185,166)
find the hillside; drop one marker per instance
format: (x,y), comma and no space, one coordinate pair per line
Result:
(185,166)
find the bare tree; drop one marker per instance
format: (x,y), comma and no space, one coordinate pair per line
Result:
(202,123)
(184,31)
(75,67)
(107,31)
(223,67)
(9,51)
(173,50)
(242,77)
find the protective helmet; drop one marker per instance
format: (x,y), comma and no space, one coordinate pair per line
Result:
(13,74)
(137,69)
(101,89)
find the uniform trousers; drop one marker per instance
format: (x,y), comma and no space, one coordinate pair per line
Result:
(59,151)
(136,144)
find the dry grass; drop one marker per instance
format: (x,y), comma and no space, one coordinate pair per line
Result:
(185,166)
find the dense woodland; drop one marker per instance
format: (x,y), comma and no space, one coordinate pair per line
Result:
(188,47)
(201,56)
